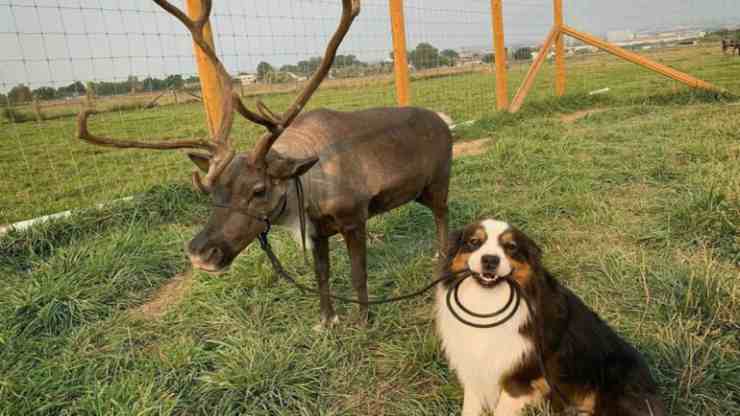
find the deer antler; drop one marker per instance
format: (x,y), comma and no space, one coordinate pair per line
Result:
(84,134)
(220,146)
(350,10)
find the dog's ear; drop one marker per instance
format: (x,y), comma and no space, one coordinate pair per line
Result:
(529,248)
(454,242)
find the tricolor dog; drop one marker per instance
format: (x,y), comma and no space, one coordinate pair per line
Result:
(592,369)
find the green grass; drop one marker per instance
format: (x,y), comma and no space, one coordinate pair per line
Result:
(637,209)
(47,170)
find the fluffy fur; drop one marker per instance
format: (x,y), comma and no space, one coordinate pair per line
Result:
(596,371)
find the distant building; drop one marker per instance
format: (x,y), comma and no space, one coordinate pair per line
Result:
(616,36)
(246,78)
(549,55)
(467,58)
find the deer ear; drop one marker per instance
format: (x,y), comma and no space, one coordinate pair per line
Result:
(281,167)
(201,160)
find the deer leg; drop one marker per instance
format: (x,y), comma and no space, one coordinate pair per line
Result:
(321,269)
(356,240)
(440,219)
(435,197)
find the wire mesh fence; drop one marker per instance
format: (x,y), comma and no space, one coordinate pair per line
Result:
(134,64)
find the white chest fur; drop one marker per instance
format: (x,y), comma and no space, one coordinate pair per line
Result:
(481,356)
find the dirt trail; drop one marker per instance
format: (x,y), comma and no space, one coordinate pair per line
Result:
(170,294)
(476,147)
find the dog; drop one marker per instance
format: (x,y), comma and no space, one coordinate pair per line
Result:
(592,370)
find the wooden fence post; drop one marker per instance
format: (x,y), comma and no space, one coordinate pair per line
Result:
(528,82)
(639,60)
(502,78)
(400,62)
(560,77)
(209,81)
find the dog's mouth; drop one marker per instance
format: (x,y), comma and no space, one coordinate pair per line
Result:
(487,279)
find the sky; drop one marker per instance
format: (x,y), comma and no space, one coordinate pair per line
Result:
(56,42)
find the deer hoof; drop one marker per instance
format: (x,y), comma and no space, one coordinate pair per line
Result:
(326,323)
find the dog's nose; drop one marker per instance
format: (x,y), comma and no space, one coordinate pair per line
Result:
(490,262)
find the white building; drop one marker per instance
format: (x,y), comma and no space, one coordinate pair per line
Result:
(247,78)
(615,36)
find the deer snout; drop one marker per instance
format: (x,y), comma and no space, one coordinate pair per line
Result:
(205,257)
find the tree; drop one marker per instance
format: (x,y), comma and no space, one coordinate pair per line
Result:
(153,84)
(342,61)
(74,89)
(289,68)
(20,94)
(132,84)
(45,93)
(488,58)
(264,70)
(309,66)
(174,81)
(451,55)
(424,56)
(523,54)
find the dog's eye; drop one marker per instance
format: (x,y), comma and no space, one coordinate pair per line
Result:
(474,243)
(510,247)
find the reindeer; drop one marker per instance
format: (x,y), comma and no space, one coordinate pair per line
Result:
(351,166)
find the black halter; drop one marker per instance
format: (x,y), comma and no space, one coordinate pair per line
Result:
(270,217)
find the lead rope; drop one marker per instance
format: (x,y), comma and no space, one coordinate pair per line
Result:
(278,268)
(301,215)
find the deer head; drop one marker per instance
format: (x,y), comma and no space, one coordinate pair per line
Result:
(248,188)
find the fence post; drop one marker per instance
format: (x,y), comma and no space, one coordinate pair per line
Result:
(37,109)
(502,81)
(560,77)
(400,63)
(528,81)
(209,81)
(639,60)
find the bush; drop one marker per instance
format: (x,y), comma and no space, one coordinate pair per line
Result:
(14,116)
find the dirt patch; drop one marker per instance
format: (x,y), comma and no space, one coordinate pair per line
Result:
(573,117)
(476,147)
(166,296)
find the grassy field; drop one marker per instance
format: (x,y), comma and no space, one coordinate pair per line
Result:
(47,170)
(637,208)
